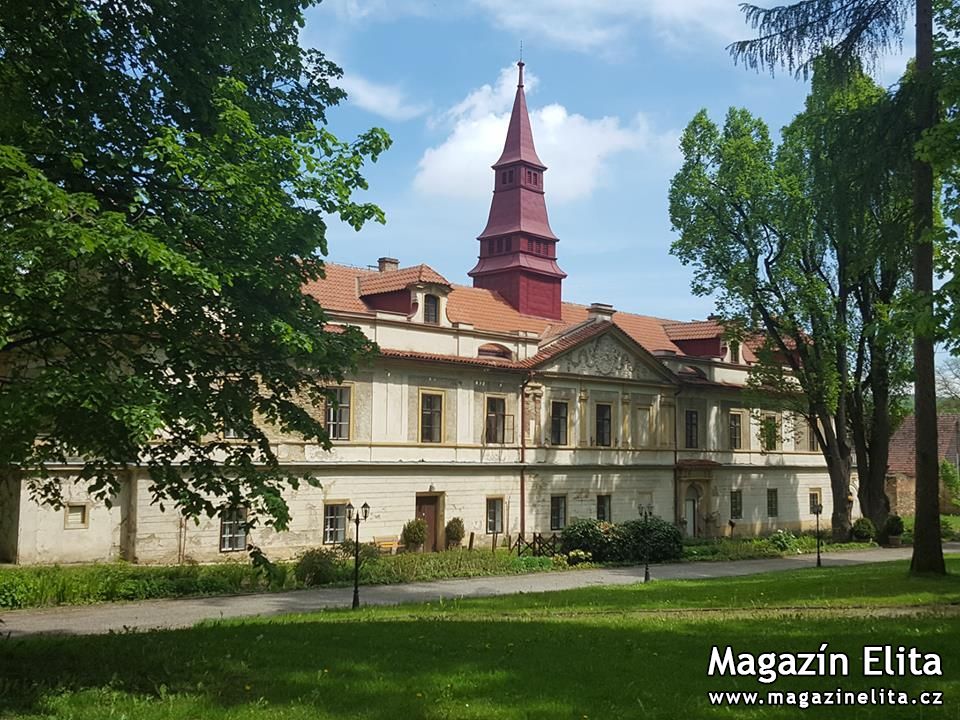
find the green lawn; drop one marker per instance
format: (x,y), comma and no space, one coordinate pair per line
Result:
(613,652)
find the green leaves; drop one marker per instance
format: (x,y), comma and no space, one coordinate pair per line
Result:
(157,231)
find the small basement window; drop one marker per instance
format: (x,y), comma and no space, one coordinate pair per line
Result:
(77,516)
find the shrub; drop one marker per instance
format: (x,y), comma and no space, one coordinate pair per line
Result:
(783,541)
(455,532)
(592,536)
(346,550)
(894,525)
(414,533)
(578,557)
(318,566)
(864,530)
(632,540)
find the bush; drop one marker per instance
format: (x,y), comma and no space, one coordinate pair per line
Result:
(578,557)
(455,532)
(864,530)
(592,536)
(346,550)
(633,539)
(319,566)
(894,525)
(414,533)
(783,541)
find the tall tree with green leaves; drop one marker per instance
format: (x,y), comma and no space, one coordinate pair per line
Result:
(793,36)
(166,180)
(805,250)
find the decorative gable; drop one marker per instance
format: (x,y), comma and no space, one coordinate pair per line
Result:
(607,355)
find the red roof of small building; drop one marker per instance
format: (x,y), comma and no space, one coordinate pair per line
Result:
(903,443)
(374,283)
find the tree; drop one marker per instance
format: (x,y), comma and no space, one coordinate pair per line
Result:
(805,252)
(165,184)
(793,35)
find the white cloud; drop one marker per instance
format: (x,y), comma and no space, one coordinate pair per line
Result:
(605,25)
(386,100)
(577,149)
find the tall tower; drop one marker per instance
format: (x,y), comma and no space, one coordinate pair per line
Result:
(518,250)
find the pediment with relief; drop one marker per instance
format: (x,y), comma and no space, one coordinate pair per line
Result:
(605,356)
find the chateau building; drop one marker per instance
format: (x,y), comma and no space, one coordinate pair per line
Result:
(500,404)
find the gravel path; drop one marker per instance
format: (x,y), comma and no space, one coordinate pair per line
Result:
(162,614)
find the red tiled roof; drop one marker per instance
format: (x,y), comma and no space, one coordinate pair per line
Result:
(567,341)
(695,330)
(373,283)
(459,359)
(903,442)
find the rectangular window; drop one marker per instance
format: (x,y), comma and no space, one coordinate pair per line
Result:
(813,445)
(604,508)
(431,418)
(494,515)
(604,425)
(736,431)
(736,504)
(496,419)
(814,502)
(773,506)
(334,523)
(76,516)
(233,529)
(691,429)
(338,413)
(769,433)
(559,414)
(558,512)
(231,433)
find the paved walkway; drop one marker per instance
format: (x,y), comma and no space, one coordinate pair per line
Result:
(156,614)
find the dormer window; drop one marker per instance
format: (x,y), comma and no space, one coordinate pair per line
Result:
(431,309)
(735,352)
(492,350)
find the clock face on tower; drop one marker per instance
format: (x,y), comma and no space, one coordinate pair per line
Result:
(518,253)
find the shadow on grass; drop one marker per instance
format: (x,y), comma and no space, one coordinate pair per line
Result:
(342,665)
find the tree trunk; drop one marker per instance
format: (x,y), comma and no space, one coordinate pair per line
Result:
(927,547)
(836,451)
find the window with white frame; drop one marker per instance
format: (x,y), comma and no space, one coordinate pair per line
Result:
(338,413)
(334,522)
(559,414)
(496,420)
(815,502)
(431,417)
(431,309)
(494,515)
(558,512)
(233,529)
(735,431)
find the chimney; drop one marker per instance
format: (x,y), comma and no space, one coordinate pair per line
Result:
(600,312)
(387,264)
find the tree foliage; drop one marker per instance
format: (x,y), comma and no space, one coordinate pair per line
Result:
(166,180)
(804,249)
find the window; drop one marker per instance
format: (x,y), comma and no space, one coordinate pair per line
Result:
(529,177)
(499,245)
(773,507)
(510,176)
(735,352)
(431,418)
(769,432)
(232,433)
(76,515)
(736,504)
(494,515)
(509,246)
(536,178)
(691,429)
(496,419)
(814,502)
(233,529)
(813,445)
(503,178)
(431,309)
(558,512)
(334,523)
(559,414)
(604,424)
(736,431)
(604,508)
(338,413)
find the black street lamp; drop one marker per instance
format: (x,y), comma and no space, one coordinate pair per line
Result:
(817,510)
(365,512)
(647,512)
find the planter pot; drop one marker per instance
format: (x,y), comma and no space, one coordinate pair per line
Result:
(893,541)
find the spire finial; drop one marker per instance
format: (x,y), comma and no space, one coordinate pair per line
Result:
(520,65)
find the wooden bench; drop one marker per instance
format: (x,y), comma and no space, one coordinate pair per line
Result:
(386,544)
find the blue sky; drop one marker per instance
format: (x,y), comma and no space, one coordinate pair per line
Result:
(610,86)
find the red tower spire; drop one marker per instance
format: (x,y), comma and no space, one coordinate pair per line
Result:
(517,247)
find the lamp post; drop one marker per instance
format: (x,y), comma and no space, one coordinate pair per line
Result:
(647,512)
(818,509)
(365,512)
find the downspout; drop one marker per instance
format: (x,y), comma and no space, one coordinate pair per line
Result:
(677,500)
(523,455)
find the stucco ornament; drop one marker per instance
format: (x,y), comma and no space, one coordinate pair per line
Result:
(604,356)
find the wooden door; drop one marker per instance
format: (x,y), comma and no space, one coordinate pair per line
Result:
(427,507)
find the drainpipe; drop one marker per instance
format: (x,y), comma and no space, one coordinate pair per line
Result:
(677,501)
(523,455)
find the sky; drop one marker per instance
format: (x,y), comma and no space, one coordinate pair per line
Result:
(610,86)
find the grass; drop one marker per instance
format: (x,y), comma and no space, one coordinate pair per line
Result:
(949,526)
(612,652)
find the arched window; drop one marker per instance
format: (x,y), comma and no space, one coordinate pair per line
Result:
(431,309)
